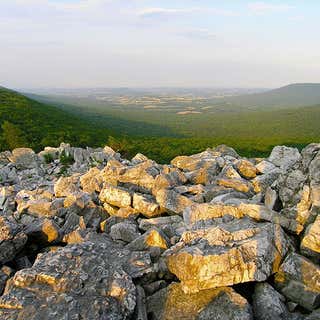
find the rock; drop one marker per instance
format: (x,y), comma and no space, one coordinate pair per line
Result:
(152,239)
(315,315)
(262,182)
(271,198)
(140,176)
(284,157)
(290,186)
(140,311)
(43,231)
(268,304)
(205,160)
(224,150)
(299,280)
(5,274)
(92,181)
(265,166)
(171,225)
(24,158)
(139,158)
(12,239)
(146,205)
(246,169)
(203,212)
(230,253)
(168,180)
(49,154)
(77,279)
(310,244)
(236,184)
(172,202)
(66,186)
(116,196)
(125,231)
(229,172)
(217,304)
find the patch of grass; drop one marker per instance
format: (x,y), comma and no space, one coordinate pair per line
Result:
(66,159)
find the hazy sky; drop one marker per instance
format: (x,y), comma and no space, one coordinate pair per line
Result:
(110,43)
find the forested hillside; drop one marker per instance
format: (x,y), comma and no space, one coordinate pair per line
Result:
(25,122)
(159,134)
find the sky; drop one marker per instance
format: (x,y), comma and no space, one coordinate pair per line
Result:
(168,43)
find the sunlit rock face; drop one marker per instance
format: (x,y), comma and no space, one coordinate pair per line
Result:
(78,280)
(173,303)
(86,234)
(227,254)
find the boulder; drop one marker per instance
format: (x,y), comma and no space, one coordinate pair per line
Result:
(24,158)
(268,304)
(204,212)
(116,196)
(236,184)
(284,157)
(92,181)
(172,202)
(246,169)
(66,186)
(173,303)
(152,240)
(76,280)
(12,239)
(229,253)
(126,231)
(310,244)
(146,205)
(299,280)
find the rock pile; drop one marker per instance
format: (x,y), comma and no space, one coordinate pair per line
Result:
(86,234)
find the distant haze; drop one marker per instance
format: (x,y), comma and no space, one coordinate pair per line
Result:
(146,43)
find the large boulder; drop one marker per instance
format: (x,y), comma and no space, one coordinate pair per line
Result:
(92,279)
(299,280)
(116,196)
(228,253)
(24,158)
(284,157)
(216,304)
(172,202)
(268,304)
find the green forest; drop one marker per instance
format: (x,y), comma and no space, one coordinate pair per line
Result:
(158,134)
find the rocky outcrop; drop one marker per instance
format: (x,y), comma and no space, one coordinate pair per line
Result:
(86,234)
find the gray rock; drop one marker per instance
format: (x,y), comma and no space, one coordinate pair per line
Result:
(234,252)
(125,231)
(268,304)
(284,157)
(86,279)
(299,280)
(24,158)
(12,239)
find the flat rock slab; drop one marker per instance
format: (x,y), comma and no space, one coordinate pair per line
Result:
(230,253)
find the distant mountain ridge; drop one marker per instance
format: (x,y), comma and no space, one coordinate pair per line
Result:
(292,95)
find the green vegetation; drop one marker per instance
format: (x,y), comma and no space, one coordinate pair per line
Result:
(158,132)
(25,122)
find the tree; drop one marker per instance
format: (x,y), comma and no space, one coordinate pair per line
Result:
(13,135)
